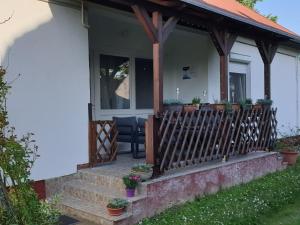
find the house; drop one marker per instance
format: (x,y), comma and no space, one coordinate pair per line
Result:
(65,52)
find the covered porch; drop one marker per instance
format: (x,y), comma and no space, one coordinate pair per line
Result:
(138,54)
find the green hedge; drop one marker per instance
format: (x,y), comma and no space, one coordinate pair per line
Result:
(240,205)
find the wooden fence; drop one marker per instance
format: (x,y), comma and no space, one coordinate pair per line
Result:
(189,138)
(102,142)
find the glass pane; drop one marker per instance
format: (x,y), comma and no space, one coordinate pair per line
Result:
(144,83)
(114,82)
(237,83)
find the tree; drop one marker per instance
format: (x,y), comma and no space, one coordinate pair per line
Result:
(251,4)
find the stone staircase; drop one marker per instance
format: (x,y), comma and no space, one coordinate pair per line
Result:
(86,196)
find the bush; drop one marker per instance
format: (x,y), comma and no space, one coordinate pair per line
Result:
(240,205)
(19,204)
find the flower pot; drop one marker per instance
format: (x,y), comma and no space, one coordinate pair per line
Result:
(144,175)
(257,106)
(190,108)
(289,156)
(173,107)
(218,107)
(236,107)
(115,212)
(130,192)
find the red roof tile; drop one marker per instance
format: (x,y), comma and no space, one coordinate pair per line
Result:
(234,7)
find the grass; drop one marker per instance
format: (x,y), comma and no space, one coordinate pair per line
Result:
(273,199)
(288,215)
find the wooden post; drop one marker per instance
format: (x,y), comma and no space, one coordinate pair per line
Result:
(267,50)
(158,33)
(223,41)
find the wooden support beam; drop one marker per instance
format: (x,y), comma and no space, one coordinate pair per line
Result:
(144,18)
(267,50)
(223,41)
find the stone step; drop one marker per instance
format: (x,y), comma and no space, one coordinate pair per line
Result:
(97,194)
(92,212)
(107,180)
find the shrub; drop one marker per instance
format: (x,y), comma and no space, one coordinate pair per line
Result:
(117,203)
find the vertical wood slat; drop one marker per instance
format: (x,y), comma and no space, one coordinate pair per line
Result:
(205,135)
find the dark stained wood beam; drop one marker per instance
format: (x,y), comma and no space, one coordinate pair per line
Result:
(169,26)
(267,50)
(144,18)
(223,41)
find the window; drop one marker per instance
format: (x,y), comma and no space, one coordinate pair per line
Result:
(114,82)
(237,86)
(144,83)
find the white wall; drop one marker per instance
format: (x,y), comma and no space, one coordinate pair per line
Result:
(120,34)
(48,46)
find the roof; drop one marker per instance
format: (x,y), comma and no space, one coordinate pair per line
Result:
(237,11)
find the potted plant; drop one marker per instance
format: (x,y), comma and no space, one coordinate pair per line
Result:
(264,103)
(143,170)
(193,106)
(235,106)
(289,146)
(173,105)
(246,104)
(218,105)
(116,206)
(131,182)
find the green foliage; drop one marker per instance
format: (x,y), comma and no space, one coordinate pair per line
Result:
(131,181)
(240,205)
(117,203)
(19,204)
(196,100)
(142,167)
(251,4)
(246,104)
(172,102)
(264,101)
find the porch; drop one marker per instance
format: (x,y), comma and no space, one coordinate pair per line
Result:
(133,80)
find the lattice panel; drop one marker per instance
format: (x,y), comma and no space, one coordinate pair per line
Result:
(104,141)
(188,138)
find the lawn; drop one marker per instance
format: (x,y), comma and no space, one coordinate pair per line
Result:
(271,200)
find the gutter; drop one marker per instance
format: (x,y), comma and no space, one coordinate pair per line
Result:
(198,4)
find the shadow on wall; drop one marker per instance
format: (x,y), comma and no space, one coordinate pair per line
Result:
(50,96)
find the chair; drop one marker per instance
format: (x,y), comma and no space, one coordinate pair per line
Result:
(140,137)
(126,127)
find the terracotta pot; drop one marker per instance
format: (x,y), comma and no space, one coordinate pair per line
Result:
(190,108)
(115,212)
(173,107)
(236,107)
(257,106)
(219,107)
(289,156)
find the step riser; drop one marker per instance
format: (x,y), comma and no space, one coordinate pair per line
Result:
(93,197)
(115,183)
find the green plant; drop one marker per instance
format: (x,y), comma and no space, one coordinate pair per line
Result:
(196,100)
(19,203)
(289,140)
(246,104)
(131,181)
(142,167)
(172,102)
(264,101)
(117,203)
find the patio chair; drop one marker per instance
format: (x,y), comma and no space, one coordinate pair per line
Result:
(140,137)
(126,127)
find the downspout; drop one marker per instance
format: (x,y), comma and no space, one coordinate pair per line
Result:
(84,18)
(297,90)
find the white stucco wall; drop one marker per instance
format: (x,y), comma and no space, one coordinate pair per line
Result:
(48,46)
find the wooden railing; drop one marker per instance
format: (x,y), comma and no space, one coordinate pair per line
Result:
(189,138)
(102,142)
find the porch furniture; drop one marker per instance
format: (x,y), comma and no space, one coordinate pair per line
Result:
(140,137)
(126,127)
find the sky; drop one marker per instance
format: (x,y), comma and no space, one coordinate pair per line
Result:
(288,12)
